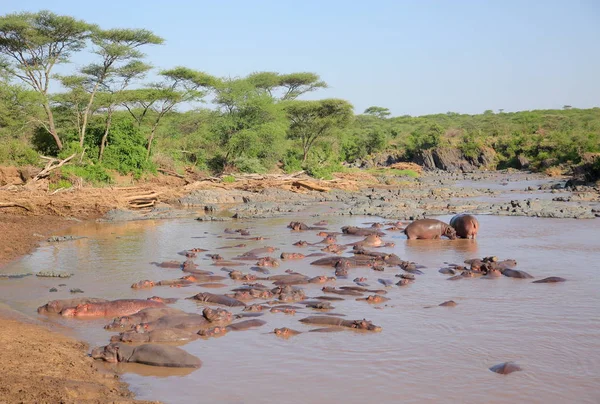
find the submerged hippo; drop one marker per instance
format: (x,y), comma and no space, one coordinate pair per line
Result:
(147,354)
(160,335)
(550,279)
(188,321)
(466,226)
(361,231)
(506,368)
(56,306)
(338,322)
(428,229)
(223,300)
(142,316)
(285,332)
(114,308)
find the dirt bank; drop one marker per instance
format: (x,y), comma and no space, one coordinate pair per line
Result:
(42,366)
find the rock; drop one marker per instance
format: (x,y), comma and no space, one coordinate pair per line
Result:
(53,290)
(76,290)
(60,239)
(506,368)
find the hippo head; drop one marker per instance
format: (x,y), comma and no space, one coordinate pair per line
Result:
(373,239)
(217,315)
(374,299)
(330,239)
(365,325)
(322,234)
(212,332)
(109,353)
(320,279)
(450,232)
(282,332)
(342,264)
(190,278)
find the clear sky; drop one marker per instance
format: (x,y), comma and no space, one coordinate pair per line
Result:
(414,57)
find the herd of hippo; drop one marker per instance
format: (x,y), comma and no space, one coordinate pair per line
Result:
(145,325)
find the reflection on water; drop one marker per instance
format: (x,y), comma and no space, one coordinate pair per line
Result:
(440,354)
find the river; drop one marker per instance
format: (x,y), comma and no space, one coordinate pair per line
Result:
(438,354)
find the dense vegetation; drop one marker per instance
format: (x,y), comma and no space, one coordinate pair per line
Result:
(114,120)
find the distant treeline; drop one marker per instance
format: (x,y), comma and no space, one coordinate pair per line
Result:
(112,118)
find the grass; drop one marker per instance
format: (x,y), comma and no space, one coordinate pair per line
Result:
(394,172)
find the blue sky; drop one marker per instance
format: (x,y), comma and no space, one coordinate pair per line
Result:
(413,57)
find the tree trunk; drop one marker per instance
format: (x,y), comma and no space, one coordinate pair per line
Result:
(51,127)
(86,114)
(150,139)
(105,136)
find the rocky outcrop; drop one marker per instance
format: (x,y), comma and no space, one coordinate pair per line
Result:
(453,159)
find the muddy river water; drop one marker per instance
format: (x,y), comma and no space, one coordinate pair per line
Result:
(438,354)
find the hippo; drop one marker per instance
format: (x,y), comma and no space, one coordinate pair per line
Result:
(267,262)
(428,229)
(329,289)
(515,273)
(147,354)
(56,306)
(160,335)
(291,256)
(338,322)
(114,308)
(176,282)
(223,300)
(373,299)
(466,225)
(301,243)
(288,293)
(506,368)
(165,300)
(245,325)
(167,264)
(363,289)
(360,231)
(316,305)
(551,279)
(145,284)
(299,226)
(285,332)
(447,271)
(240,276)
(213,332)
(255,308)
(142,316)
(334,249)
(187,321)
(372,240)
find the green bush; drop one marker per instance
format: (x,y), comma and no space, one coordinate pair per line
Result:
(228,179)
(324,171)
(249,165)
(17,153)
(94,174)
(292,161)
(62,183)
(126,151)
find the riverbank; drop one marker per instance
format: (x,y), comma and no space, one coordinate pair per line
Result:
(61,363)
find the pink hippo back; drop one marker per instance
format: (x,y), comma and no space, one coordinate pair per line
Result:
(114,308)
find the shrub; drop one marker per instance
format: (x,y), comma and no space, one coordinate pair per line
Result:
(228,179)
(126,151)
(249,165)
(17,153)
(94,174)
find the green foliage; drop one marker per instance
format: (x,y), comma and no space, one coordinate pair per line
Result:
(292,161)
(62,183)
(14,152)
(228,179)
(394,172)
(324,171)
(94,174)
(126,152)
(249,165)
(424,138)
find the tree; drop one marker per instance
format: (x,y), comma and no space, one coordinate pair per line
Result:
(312,120)
(379,112)
(250,124)
(567,107)
(33,43)
(120,61)
(179,85)
(290,86)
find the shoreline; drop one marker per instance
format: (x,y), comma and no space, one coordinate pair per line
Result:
(73,376)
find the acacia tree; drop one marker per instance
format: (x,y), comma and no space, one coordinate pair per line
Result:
(179,85)
(379,112)
(286,86)
(249,123)
(33,44)
(312,120)
(120,61)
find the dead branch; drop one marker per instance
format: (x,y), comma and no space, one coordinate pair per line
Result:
(52,164)
(311,186)
(171,173)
